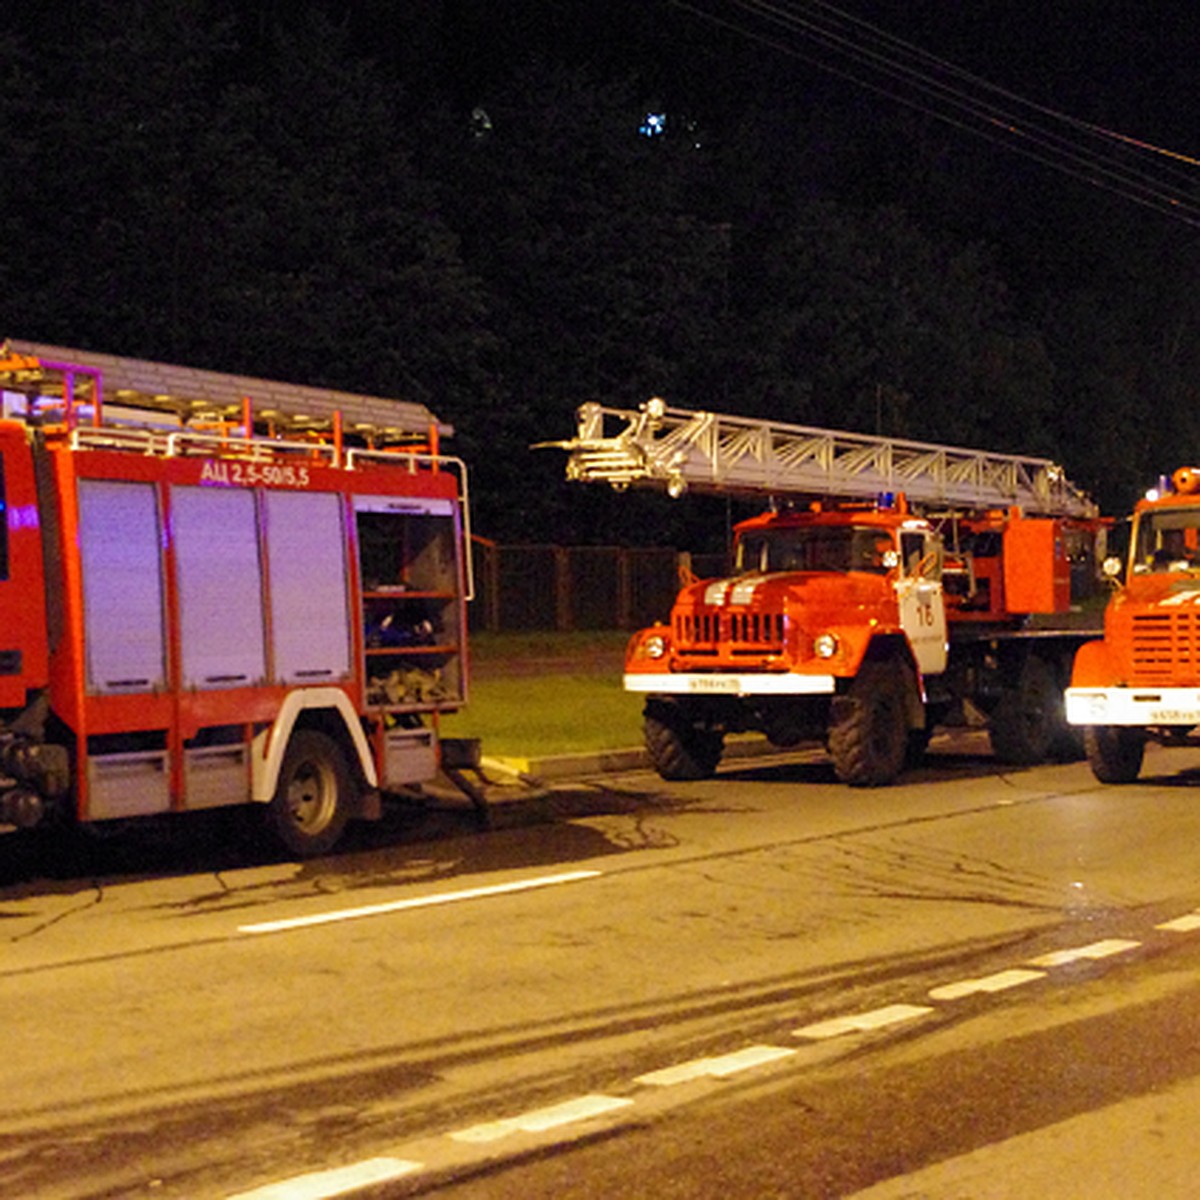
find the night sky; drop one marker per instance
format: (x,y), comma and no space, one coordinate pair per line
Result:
(966,205)
(1123,65)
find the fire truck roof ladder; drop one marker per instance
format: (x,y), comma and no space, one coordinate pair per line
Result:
(158,393)
(677,449)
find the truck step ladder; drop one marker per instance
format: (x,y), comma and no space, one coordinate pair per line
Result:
(677,449)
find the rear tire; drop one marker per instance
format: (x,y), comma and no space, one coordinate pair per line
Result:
(1114,752)
(678,747)
(313,797)
(868,737)
(1028,720)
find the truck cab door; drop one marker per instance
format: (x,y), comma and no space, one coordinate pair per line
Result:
(23,647)
(920,600)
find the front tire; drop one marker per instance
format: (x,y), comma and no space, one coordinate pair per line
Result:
(868,738)
(679,748)
(1114,752)
(312,800)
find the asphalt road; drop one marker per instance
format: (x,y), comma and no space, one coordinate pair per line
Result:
(978,983)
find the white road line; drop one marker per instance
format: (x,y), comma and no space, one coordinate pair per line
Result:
(1095,950)
(1184,924)
(715,1068)
(998,982)
(539,1120)
(861,1022)
(321,1185)
(374,910)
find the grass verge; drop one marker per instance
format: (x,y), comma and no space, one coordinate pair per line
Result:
(537,695)
(538,716)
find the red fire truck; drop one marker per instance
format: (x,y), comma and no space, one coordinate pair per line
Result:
(938,581)
(220,590)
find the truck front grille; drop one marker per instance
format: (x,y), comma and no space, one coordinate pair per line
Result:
(737,632)
(1166,647)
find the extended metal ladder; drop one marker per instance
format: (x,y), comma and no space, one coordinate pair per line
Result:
(678,450)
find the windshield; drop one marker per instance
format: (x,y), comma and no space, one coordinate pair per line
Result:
(817,548)
(1167,540)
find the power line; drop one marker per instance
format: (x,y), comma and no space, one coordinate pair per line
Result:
(868,57)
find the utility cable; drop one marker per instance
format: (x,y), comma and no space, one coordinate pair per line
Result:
(871,51)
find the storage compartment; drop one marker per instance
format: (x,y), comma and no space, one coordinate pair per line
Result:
(410,756)
(120,550)
(219,578)
(216,775)
(128,785)
(309,610)
(412,602)
(1037,575)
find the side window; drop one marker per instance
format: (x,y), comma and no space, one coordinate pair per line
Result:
(912,548)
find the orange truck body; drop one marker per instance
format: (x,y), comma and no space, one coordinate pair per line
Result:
(1140,682)
(850,603)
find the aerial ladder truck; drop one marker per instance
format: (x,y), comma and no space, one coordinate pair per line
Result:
(220,590)
(890,587)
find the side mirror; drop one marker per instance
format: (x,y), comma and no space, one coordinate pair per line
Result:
(1111,568)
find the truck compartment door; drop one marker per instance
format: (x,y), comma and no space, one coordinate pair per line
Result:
(306,561)
(119,546)
(215,534)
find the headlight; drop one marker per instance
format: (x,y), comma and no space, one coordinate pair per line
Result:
(825,645)
(655,647)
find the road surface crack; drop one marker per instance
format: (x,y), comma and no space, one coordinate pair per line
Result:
(92,901)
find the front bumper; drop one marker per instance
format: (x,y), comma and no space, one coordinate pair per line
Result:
(701,683)
(1141,707)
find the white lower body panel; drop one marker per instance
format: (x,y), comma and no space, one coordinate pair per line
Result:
(699,683)
(1140,707)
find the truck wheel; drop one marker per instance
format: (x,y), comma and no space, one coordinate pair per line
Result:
(312,800)
(868,737)
(1114,752)
(680,749)
(915,747)
(1029,718)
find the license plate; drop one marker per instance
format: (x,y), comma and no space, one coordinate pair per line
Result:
(1174,716)
(722,684)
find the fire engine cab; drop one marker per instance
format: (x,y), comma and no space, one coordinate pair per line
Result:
(220,590)
(1141,681)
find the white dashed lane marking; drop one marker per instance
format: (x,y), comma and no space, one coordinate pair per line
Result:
(878,1018)
(1185,924)
(999,982)
(715,1068)
(323,1185)
(1095,950)
(583,1108)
